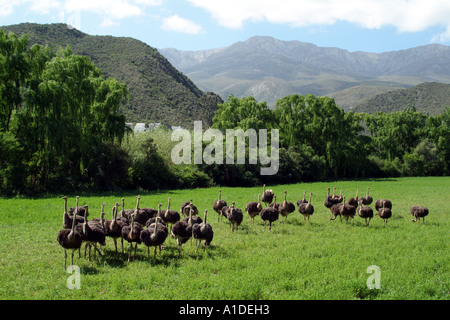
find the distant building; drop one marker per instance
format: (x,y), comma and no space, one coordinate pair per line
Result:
(176,128)
(140,127)
(143,127)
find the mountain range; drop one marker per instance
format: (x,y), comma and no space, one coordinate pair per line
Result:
(158,91)
(269,69)
(178,87)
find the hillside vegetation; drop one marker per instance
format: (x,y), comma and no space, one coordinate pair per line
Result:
(158,91)
(429,97)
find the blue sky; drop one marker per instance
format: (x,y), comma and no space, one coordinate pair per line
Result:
(355,25)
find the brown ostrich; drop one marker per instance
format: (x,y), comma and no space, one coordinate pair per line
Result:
(335,211)
(306,209)
(269,214)
(274,204)
(186,208)
(364,212)
(68,219)
(339,198)
(170,216)
(132,234)
(69,239)
(113,227)
(254,208)
(380,202)
(286,208)
(347,211)
(92,233)
(267,195)
(182,231)
(126,213)
(354,201)
(218,205)
(304,198)
(235,216)
(329,201)
(141,215)
(367,199)
(81,211)
(154,236)
(203,231)
(384,213)
(418,212)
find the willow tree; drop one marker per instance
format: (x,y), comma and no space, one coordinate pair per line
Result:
(57,108)
(74,112)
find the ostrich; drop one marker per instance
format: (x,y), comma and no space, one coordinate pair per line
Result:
(162,223)
(92,234)
(202,231)
(331,200)
(67,219)
(364,212)
(267,195)
(254,208)
(354,201)
(141,215)
(186,208)
(384,213)
(113,228)
(336,211)
(306,209)
(99,221)
(131,234)
(81,211)
(339,198)
(328,202)
(69,239)
(418,212)
(218,205)
(169,216)
(380,202)
(347,211)
(286,207)
(125,213)
(154,236)
(269,214)
(224,211)
(304,198)
(235,216)
(334,196)
(192,214)
(182,231)
(367,199)
(274,204)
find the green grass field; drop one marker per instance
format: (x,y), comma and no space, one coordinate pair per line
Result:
(320,260)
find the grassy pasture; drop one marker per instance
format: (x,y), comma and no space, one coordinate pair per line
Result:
(320,260)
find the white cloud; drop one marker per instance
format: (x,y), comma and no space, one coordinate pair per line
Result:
(405,15)
(442,37)
(179,24)
(111,11)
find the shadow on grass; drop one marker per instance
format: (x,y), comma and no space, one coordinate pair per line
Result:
(168,257)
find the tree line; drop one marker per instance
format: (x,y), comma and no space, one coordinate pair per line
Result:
(61,130)
(318,140)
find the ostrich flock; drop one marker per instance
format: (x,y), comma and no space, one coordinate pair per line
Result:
(151,226)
